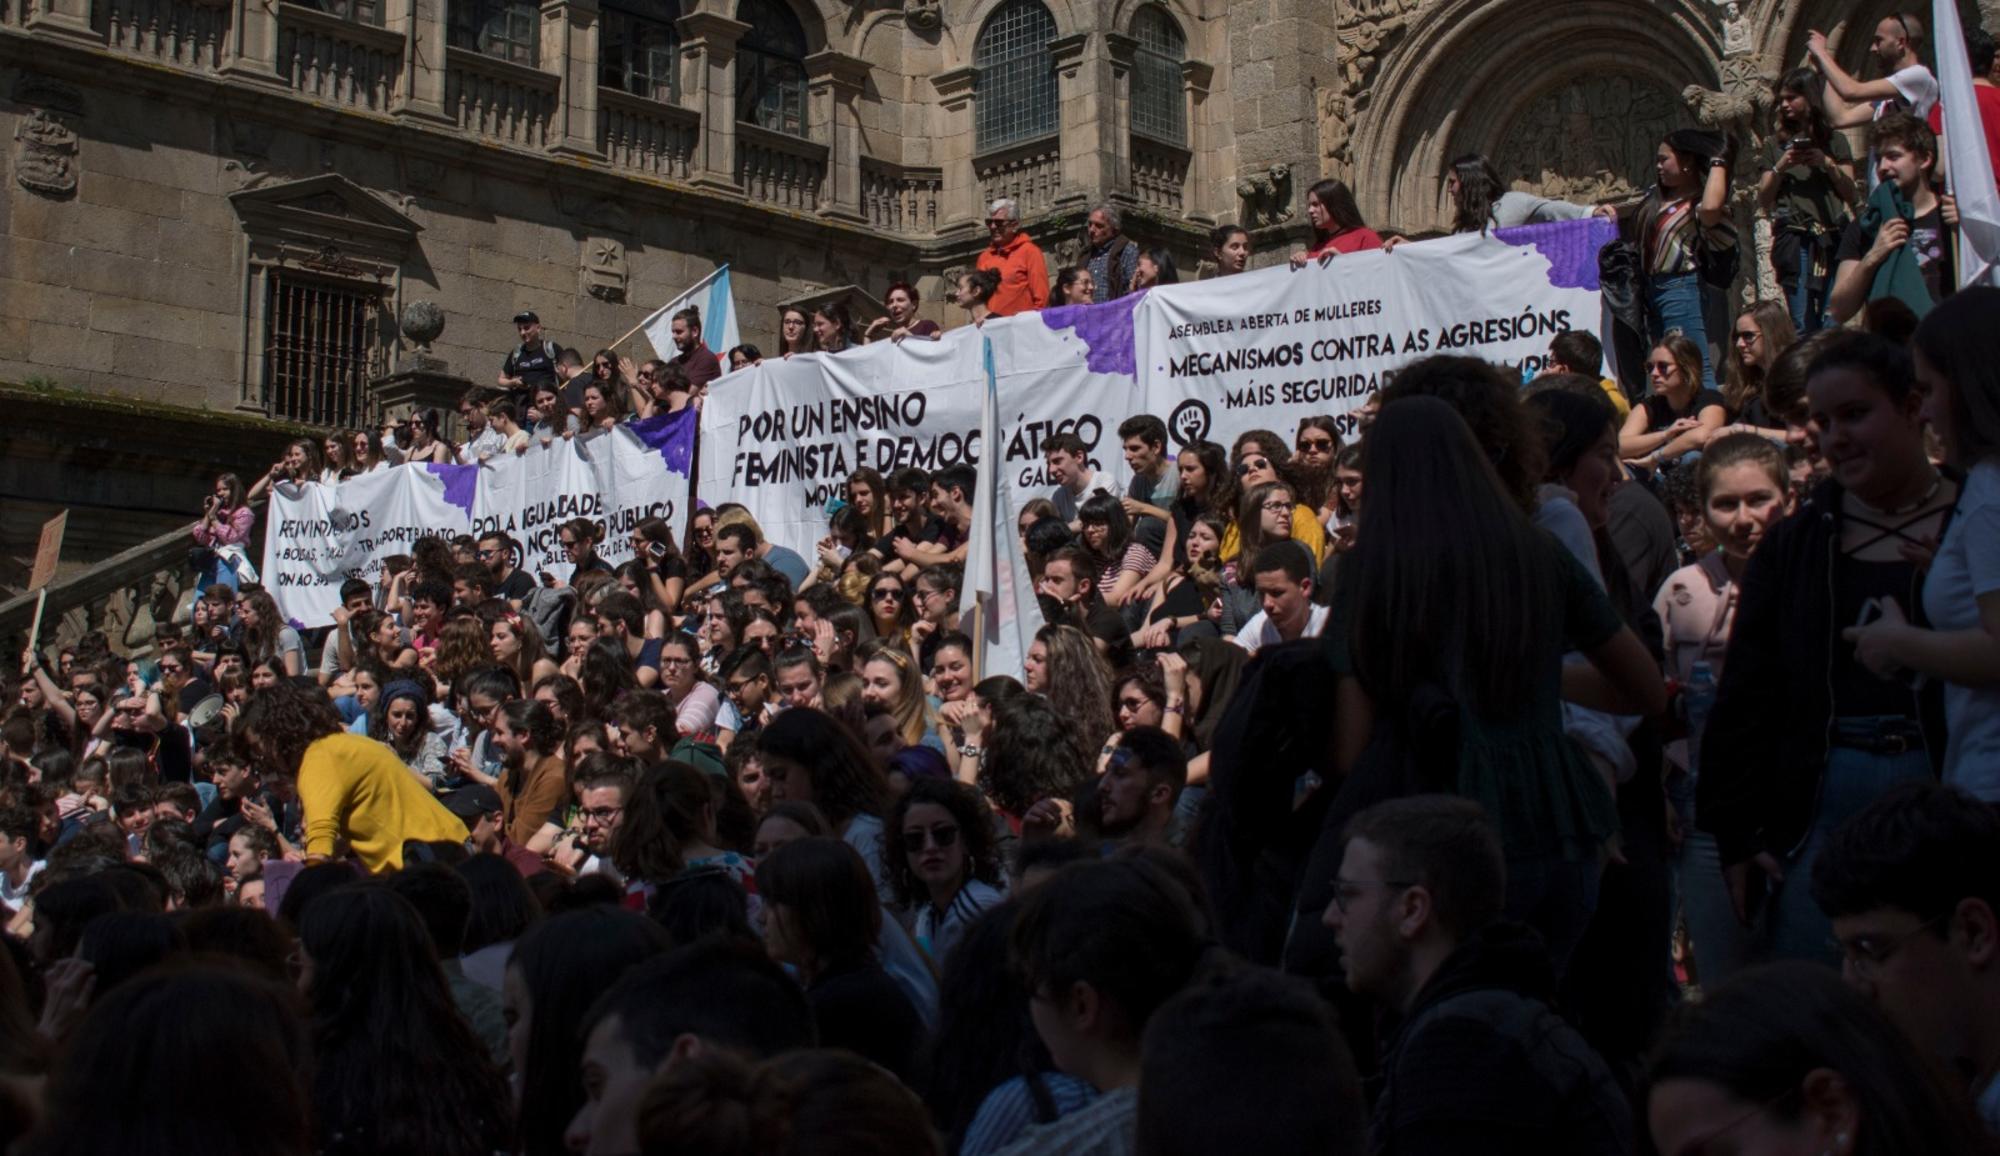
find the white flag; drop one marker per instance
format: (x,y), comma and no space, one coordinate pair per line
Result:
(712,297)
(1965,150)
(997,596)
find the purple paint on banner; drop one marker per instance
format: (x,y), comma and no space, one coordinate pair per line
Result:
(459,483)
(1570,247)
(672,434)
(1106,331)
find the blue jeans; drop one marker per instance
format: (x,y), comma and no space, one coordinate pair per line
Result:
(1556,897)
(1678,304)
(1722,945)
(1796,928)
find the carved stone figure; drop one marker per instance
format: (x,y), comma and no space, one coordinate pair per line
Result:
(45,154)
(1266,196)
(1365,31)
(923,15)
(1590,140)
(604,270)
(1738,38)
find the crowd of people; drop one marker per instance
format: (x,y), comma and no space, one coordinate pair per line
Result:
(1577,765)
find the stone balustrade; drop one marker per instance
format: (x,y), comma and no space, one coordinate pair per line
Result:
(338,61)
(501,101)
(903,200)
(176,32)
(1030,174)
(645,136)
(780,171)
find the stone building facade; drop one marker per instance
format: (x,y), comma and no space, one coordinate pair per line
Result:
(225,204)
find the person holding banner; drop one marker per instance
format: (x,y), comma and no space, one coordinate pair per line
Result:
(902,320)
(975,293)
(1336,224)
(833,327)
(794,331)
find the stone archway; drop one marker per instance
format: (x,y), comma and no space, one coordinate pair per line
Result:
(1478,75)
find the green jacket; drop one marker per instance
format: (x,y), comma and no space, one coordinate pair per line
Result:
(1900,276)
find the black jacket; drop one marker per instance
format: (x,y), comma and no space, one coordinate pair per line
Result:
(1763,754)
(1482,1065)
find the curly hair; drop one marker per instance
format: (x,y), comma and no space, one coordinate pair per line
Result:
(462,646)
(279,723)
(1490,404)
(975,831)
(1220,498)
(1034,754)
(1079,684)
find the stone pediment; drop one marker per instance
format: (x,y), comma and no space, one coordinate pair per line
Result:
(326,211)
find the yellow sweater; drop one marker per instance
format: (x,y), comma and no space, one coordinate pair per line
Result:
(356,790)
(1305,529)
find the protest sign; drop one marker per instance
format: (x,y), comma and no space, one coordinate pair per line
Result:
(787,434)
(1262,350)
(319,536)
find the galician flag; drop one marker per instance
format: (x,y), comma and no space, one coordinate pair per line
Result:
(1965,152)
(997,601)
(711,296)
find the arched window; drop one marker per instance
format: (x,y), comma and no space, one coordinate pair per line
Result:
(1159,110)
(507,29)
(771,68)
(639,47)
(1015,93)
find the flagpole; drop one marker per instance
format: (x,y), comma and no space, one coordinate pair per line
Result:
(636,328)
(979,636)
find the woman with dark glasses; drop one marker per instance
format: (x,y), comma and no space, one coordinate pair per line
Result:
(945,863)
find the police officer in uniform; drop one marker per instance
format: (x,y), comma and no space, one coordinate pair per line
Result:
(532,365)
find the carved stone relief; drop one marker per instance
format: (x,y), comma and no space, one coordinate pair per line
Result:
(1266,197)
(1590,140)
(923,15)
(45,144)
(1365,30)
(45,154)
(604,270)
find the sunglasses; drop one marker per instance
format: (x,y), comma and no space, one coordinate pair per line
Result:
(1747,335)
(913,841)
(887,595)
(1247,464)
(1315,445)
(1661,367)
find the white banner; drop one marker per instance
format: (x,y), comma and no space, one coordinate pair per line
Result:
(783,438)
(1262,350)
(318,537)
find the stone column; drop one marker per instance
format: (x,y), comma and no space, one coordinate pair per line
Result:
(422,23)
(253,41)
(708,66)
(1083,97)
(1115,129)
(836,83)
(570,33)
(958,200)
(1204,181)
(68,19)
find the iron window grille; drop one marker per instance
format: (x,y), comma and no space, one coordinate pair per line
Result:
(320,350)
(1015,92)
